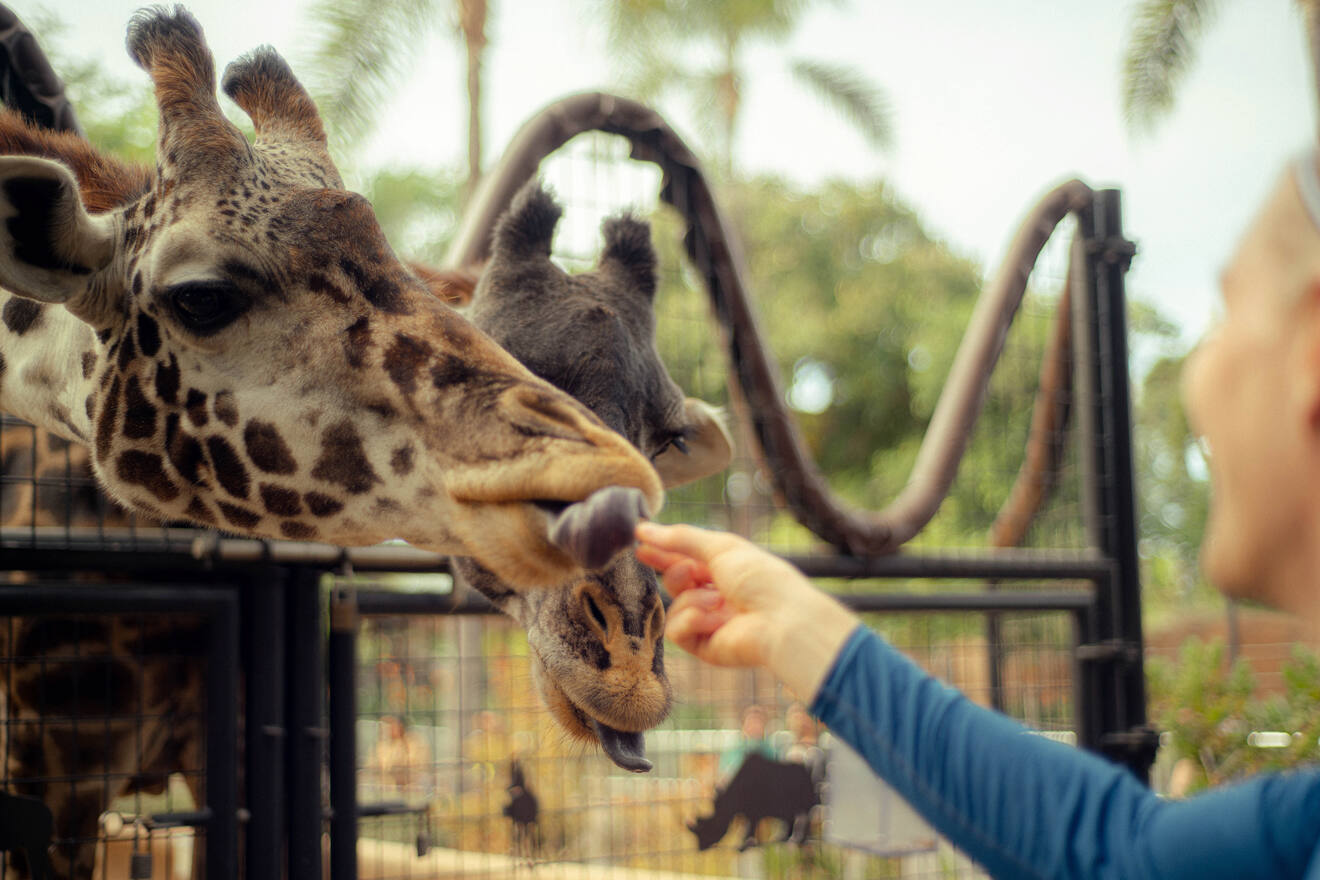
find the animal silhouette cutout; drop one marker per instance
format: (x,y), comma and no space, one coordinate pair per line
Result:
(760,789)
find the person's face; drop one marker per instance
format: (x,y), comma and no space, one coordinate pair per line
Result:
(1247,393)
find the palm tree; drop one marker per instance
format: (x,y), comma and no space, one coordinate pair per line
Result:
(365,47)
(657,37)
(1162,47)
(471,24)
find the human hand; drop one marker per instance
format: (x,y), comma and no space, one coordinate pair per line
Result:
(736,604)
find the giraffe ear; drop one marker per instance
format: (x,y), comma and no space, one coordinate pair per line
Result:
(49,245)
(709,448)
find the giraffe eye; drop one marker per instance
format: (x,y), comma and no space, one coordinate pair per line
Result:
(206,307)
(678,441)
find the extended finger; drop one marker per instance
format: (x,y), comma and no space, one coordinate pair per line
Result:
(702,598)
(689,627)
(658,558)
(701,544)
(684,576)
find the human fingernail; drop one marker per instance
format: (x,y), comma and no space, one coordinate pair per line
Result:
(705,597)
(646,530)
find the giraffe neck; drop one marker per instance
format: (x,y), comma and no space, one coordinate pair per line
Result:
(48,365)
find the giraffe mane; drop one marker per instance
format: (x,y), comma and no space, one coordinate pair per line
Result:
(105,182)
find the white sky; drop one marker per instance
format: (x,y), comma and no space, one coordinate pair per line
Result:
(993,103)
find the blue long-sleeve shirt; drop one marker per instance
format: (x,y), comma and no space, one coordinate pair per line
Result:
(1026,807)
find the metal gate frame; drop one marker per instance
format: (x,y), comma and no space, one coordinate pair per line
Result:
(275,589)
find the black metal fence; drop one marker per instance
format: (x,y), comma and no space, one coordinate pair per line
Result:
(345,713)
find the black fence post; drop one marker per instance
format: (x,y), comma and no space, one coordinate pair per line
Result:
(342,675)
(306,719)
(266,734)
(222,739)
(1112,718)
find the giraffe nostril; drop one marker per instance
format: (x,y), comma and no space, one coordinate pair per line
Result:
(655,624)
(594,611)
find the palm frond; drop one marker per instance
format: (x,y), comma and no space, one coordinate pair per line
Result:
(362,50)
(863,103)
(1161,49)
(649,75)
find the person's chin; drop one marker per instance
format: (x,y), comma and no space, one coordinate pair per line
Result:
(1221,563)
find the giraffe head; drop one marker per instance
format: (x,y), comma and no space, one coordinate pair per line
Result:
(256,358)
(596,640)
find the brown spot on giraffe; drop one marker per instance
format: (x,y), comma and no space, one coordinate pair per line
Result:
(318,283)
(322,505)
(267,448)
(356,340)
(21,315)
(343,460)
(404,359)
(195,406)
(139,412)
(401,460)
(238,517)
(198,511)
(183,450)
(127,352)
(280,500)
(145,469)
(297,531)
(105,422)
(167,380)
(148,334)
(226,408)
(228,467)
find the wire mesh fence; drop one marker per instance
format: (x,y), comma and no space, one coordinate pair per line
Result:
(105,723)
(452,741)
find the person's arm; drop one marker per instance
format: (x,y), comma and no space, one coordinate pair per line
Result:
(1027,807)
(1022,805)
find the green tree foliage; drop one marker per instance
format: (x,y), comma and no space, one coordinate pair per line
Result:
(358,58)
(118,116)
(864,310)
(1209,710)
(696,49)
(1174,496)
(363,48)
(418,209)
(1161,51)
(850,285)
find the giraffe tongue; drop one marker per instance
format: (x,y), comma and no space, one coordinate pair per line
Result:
(593,530)
(626,749)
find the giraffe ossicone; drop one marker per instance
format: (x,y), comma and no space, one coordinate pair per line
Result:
(235,341)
